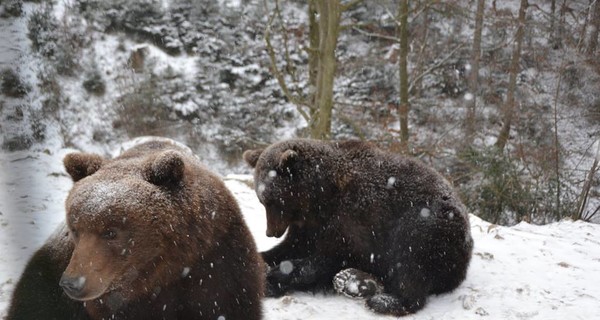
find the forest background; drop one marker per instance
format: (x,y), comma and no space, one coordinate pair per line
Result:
(502,97)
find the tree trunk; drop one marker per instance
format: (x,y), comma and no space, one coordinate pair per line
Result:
(470,125)
(313,49)
(329,25)
(554,43)
(509,106)
(421,33)
(560,29)
(403,107)
(595,32)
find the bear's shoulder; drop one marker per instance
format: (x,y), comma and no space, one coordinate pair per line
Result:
(354,145)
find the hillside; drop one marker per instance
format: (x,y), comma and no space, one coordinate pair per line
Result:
(89,74)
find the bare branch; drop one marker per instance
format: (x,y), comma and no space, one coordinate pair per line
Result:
(375,35)
(299,102)
(288,61)
(585,191)
(589,217)
(435,66)
(348,5)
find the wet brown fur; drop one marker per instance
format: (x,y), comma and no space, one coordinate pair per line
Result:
(157,236)
(350,205)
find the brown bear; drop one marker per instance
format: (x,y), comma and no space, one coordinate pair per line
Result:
(152,235)
(38,295)
(351,206)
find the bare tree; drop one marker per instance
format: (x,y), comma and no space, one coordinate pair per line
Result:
(595,32)
(509,105)
(313,44)
(474,75)
(421,34)
(554,42)
(324,19)
(329,28)
(403,107)
(585,191)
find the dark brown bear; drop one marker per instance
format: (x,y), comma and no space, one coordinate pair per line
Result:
(351,205)
(154,236)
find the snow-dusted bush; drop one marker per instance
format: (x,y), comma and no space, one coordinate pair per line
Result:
(12,8)
(60,43)
(12,85)
(502,190)
(25,127)
(94,83)
(142,111)
(42,29)
(144,20)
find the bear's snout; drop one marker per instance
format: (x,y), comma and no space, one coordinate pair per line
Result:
(92,269)
(73,286)
(276,227)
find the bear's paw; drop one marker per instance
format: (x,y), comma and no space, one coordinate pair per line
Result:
(356,284)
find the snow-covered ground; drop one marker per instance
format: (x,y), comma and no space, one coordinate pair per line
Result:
(522,272)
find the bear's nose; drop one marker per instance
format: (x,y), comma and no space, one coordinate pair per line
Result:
(72,285)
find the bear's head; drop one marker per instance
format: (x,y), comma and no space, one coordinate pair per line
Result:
(291,181)
(122,215)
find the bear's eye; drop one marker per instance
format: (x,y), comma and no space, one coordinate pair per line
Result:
(109,234)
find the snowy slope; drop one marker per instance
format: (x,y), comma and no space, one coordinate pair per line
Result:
(522,272)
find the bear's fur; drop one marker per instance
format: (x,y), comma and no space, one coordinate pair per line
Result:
(37,295)
(153,235)
(351,205)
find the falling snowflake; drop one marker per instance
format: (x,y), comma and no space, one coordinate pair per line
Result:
(286,266)
(390,182)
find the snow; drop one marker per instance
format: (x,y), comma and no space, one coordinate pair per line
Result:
(520,272)
(13,42)
(425,213)
(390,182)
(97,199)
(286,266)
(185,272)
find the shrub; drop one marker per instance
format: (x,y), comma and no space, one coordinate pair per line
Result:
(500,190)
(12,8)
(42,31)
(12,85)
(142,110)
(94,83)
(59,43)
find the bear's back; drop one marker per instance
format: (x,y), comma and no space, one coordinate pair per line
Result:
(391,180)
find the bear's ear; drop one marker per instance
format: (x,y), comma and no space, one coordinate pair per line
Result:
(166,169)
(251,156)
(80,165)
(287,158)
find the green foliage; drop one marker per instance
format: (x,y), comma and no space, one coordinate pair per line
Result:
(499,189)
